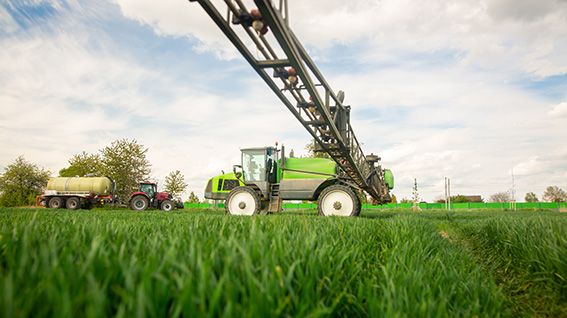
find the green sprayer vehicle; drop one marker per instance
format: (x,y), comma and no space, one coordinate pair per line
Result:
(266,177)
(262,35)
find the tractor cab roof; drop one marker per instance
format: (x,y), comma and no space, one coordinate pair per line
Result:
(257,148)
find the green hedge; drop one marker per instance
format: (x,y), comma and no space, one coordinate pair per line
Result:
(423,206)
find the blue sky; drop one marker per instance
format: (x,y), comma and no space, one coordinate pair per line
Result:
(470,90)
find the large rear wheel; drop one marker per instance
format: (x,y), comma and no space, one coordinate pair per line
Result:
(242,201)
(55,203)
(139,203)
(73,203)
(338,200)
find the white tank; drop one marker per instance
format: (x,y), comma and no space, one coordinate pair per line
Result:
(97,185)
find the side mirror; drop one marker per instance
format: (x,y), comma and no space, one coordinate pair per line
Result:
(237,174)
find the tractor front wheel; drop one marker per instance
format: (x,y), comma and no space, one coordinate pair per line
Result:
(338,200)
(242,201)
(139,203)
(167,205)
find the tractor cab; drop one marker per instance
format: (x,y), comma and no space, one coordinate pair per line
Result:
(260,165)
(149,188)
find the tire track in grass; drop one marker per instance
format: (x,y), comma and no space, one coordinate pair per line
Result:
(526,253)
(426,276)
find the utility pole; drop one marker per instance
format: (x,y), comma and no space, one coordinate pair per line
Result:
(446,197)
(449,193)
(513,193)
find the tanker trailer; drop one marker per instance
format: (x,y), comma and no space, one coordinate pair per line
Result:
(78,192)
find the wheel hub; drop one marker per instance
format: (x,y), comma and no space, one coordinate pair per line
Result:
(242,203)
(337,202)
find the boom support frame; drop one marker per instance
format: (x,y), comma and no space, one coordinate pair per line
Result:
(309,97)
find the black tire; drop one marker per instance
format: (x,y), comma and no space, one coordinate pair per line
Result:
(139,203)
(55,203)
(359,209)
(248,202)
(73,203)
(166,205)
(338,200)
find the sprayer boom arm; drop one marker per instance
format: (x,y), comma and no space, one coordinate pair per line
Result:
(299,84)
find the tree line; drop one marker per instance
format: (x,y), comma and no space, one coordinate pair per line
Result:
(124,161)
(551,194)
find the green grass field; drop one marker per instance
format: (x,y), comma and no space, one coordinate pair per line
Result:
(204,263)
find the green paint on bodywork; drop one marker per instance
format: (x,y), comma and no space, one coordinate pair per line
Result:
(318,165)
(222,178)
(295,168)
(389,178)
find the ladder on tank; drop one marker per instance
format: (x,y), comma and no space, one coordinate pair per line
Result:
(299,84)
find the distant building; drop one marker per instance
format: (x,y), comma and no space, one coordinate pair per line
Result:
(473,198)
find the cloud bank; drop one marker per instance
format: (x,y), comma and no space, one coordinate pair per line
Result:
(472,90)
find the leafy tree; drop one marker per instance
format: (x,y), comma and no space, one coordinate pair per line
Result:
(531,197)
(175,183)
(459,199)
(21,183)
(81,165)
(500,197)
(125,162)
(406,200)
(440,199)
(193,198)
(554,194)
(310,147)
(415,196)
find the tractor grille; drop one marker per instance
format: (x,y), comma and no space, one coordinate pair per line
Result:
(230,184)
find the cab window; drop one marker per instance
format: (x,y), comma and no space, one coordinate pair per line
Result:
(148,189)
(254,165)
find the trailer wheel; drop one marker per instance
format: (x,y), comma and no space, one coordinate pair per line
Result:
(139,203)
(338,200)
(55,203)
(73,203)
(166,205)
(242,201)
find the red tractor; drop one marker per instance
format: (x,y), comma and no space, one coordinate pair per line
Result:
(148,196)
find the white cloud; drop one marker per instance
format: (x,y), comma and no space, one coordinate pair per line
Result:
(432,123)
(559,110)
(182,19)
(60,97)
(532,166)
(427,120)
(526,36)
